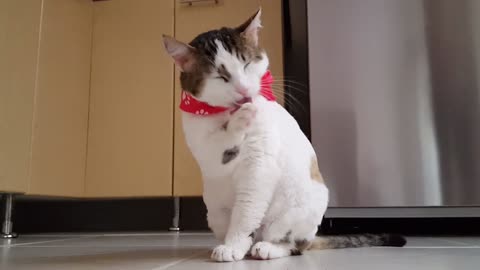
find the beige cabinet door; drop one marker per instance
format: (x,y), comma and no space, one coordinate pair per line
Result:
(200,17)
(44,86)
(60,118)
(130,139)
(19,32)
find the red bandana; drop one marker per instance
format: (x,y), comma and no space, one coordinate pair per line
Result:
(192,105)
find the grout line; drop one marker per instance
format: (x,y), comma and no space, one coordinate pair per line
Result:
(41,242)
(78,235)
(458,242)
(161,234)
(448,240)
(126,245)
(123,234)
(444,247)
(168,265)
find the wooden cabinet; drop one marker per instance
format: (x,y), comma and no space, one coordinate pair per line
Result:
(61,99)
(44,82)
(130,140)
(89,98)
(19,32)
(189,22)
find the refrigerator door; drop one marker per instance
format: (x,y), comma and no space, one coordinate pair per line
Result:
(394,96)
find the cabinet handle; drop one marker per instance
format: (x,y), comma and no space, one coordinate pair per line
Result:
(191,2)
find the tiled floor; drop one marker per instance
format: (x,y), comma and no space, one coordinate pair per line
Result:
(191,251)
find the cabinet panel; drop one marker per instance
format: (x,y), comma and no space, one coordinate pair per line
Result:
(61,99)
(130,140)
(189,22)
(19,32)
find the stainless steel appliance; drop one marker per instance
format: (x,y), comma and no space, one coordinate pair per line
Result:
(395,104)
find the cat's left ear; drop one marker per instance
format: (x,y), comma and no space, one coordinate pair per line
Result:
(183,54)
(249,29)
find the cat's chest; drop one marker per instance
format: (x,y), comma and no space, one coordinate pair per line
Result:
(219,152)
(216,161)
(215,154)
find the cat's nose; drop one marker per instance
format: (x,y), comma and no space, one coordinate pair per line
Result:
(242,91)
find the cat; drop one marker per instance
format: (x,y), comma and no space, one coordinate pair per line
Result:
(263,189)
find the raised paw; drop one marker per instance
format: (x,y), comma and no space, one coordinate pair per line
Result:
(224,253)
(267,251)
(243,117)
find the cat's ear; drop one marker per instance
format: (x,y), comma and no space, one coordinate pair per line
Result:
(249,29)
(183,54)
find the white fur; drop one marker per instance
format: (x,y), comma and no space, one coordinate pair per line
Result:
(267,188)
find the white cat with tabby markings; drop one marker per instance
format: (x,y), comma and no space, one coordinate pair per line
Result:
(262,187)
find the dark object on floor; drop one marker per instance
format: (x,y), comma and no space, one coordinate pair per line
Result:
(403,226)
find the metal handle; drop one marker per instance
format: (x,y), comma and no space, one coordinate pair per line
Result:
(191,2)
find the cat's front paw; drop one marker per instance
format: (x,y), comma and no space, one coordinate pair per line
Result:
(268,251)
(243,117)
(226,253)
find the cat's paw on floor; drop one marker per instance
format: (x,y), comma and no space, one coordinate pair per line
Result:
(267,251)
(225,253)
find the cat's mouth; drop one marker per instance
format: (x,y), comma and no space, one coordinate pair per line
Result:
(244,100)
(240,102)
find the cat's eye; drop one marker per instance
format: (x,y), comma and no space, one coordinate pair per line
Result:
(225,79)
(246,65)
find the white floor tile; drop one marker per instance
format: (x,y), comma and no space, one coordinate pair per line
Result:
(192,250)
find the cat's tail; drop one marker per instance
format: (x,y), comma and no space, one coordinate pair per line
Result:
(360,240)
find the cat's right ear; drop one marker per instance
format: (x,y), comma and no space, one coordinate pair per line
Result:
(249,29)
(183,54)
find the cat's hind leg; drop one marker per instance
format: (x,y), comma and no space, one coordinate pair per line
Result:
(289,246)
(290,234)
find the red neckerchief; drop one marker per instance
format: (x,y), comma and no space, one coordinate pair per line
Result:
(192,105)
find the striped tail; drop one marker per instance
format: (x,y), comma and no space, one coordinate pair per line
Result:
(360,240)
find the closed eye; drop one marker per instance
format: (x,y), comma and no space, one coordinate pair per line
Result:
(246,65)
(225,79)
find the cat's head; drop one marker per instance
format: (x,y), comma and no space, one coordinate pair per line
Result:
(221,67)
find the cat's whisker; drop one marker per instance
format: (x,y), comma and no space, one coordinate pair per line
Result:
(292,87)
(287,78)
(297,91)
(290,100)
(283,76)
(287,87)
(293,101)
(292,82)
